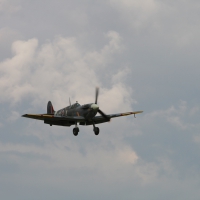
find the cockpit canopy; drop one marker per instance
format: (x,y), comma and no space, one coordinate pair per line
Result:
(75,105)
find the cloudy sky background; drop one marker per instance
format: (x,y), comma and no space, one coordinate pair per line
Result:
(144,55)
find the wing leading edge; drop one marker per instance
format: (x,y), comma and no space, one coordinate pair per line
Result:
(70,120)
(54,118)
(125,114)
(101,119)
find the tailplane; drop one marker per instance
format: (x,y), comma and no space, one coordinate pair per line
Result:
(50,109)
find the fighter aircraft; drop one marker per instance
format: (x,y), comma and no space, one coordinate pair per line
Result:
(76,113)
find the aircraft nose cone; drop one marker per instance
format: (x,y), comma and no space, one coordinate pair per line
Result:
(94,106)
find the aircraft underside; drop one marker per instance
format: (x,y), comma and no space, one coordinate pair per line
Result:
(76,129)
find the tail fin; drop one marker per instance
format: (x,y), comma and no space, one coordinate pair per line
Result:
(50,109)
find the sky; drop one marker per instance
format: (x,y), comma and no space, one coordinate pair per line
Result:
(143,55)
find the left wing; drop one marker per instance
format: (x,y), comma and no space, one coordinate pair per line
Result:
(124,114)
(101,119)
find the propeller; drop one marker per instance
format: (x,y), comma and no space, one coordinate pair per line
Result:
(69,101)
(100,111)
(103,114)
(96,94)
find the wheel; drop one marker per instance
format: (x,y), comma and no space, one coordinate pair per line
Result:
(96,130)
(75,131)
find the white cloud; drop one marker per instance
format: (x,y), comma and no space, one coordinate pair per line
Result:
(108,156)
(56,152)
(121,75)
(128,155)
(114,164)
(59,69)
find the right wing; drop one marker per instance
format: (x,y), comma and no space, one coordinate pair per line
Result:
(56,120)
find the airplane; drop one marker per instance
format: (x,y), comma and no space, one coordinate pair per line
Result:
(76,113)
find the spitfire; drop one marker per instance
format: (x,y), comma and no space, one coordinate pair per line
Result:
(77,114)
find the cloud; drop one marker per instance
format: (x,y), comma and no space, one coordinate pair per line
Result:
(9,7)
(13,116)
(57,150)
(194,110)
(197,139)
(138,13)
(64,155)
(165,20)
(178,117)
(68,57)
(6,33)
(55,70)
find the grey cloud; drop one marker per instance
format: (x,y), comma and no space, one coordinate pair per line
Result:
(143,55)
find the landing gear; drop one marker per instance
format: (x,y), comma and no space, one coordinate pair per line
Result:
(96,129)
(75,130)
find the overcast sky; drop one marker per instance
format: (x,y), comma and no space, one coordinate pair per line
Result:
(144,55)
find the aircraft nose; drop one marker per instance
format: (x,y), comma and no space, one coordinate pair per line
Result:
(94,106)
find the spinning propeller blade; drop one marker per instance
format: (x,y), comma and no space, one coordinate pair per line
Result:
(103,115)
(96,94)
(100,111)
(69,101)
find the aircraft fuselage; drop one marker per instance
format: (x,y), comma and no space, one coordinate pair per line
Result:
(88,111)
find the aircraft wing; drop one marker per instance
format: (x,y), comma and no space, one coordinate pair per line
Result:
(124,114)
(53,118)
(70,120)
(101,119)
